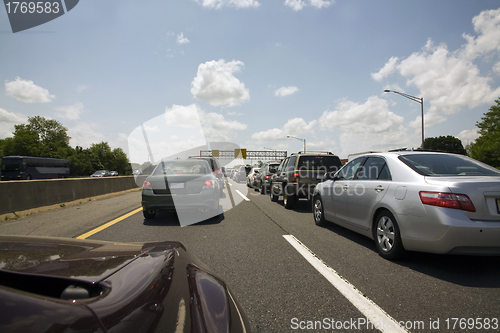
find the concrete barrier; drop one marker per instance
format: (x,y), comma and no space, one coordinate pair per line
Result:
(20,195)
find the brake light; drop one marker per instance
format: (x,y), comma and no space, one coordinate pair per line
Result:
(147,185)
(254,175)
(267,177)
(208,184)
(447,200)
(295,177)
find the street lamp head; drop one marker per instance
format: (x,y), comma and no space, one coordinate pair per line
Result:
(387,90)
(288,136)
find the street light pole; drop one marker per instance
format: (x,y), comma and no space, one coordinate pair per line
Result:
(415,99)
(303,140)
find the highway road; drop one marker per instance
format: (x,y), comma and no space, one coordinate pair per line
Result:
(291,275)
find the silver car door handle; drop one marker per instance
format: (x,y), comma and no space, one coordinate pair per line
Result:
(346,187)
(379,188)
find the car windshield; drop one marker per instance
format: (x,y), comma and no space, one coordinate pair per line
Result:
(273,168)
(443,165)
(182,167)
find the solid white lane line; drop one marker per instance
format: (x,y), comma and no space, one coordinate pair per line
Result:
(242,195)
(372,311)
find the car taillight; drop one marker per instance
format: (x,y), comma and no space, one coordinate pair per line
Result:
(267,177)
(147,185)
(254,175)
(295,177)
(448,200)
(208,184)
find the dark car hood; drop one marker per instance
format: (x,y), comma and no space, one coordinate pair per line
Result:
(91,261)
(96,286)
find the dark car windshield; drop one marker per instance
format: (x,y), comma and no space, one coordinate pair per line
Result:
(182,167)
(445,165)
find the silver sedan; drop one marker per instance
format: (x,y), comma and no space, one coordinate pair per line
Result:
(415,201)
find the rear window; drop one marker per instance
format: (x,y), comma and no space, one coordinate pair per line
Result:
(182,167)
(444,165)
(273,168)
(325,163)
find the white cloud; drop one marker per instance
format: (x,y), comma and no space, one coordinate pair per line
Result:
(487,25)
(297,5)
(85,134)
(286,91)
(27,92)
(388,69)
(215,126)
(181,39)
(7,122)
(368,126)
(70,112)
(447,81)
(468,136)
(293,127)
(229,3)
(216,84)
(450,81)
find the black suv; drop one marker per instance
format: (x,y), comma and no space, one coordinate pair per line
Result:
(298,174)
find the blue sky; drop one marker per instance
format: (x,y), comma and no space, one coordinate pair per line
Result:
(252,72)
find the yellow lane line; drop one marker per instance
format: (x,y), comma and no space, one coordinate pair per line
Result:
(109,224)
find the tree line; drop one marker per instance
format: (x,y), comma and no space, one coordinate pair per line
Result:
(42,137)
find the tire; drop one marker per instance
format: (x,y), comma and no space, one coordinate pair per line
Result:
(289,201)
(273,196)
(318,212)
(149,215)
(387,236)
(29,177)
(263,189)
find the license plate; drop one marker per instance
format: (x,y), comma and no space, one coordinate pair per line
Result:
(498,205)
(176,185)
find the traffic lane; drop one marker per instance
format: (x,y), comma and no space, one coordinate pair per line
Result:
(271,280)
(72,221)
(418,288)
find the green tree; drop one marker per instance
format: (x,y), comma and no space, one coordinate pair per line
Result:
(486,147)
(448,144)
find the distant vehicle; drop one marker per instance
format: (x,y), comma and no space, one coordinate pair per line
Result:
(242,173)
(263,180)
(113,173)
(101,173)
(415,201)
(127,288)
(252,175)
(137,172)
(27,168)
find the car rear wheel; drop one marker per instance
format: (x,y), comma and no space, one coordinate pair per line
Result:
(318,212)
(288,201)
(149,213)
(263,189)
(273,195)
(387,236)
